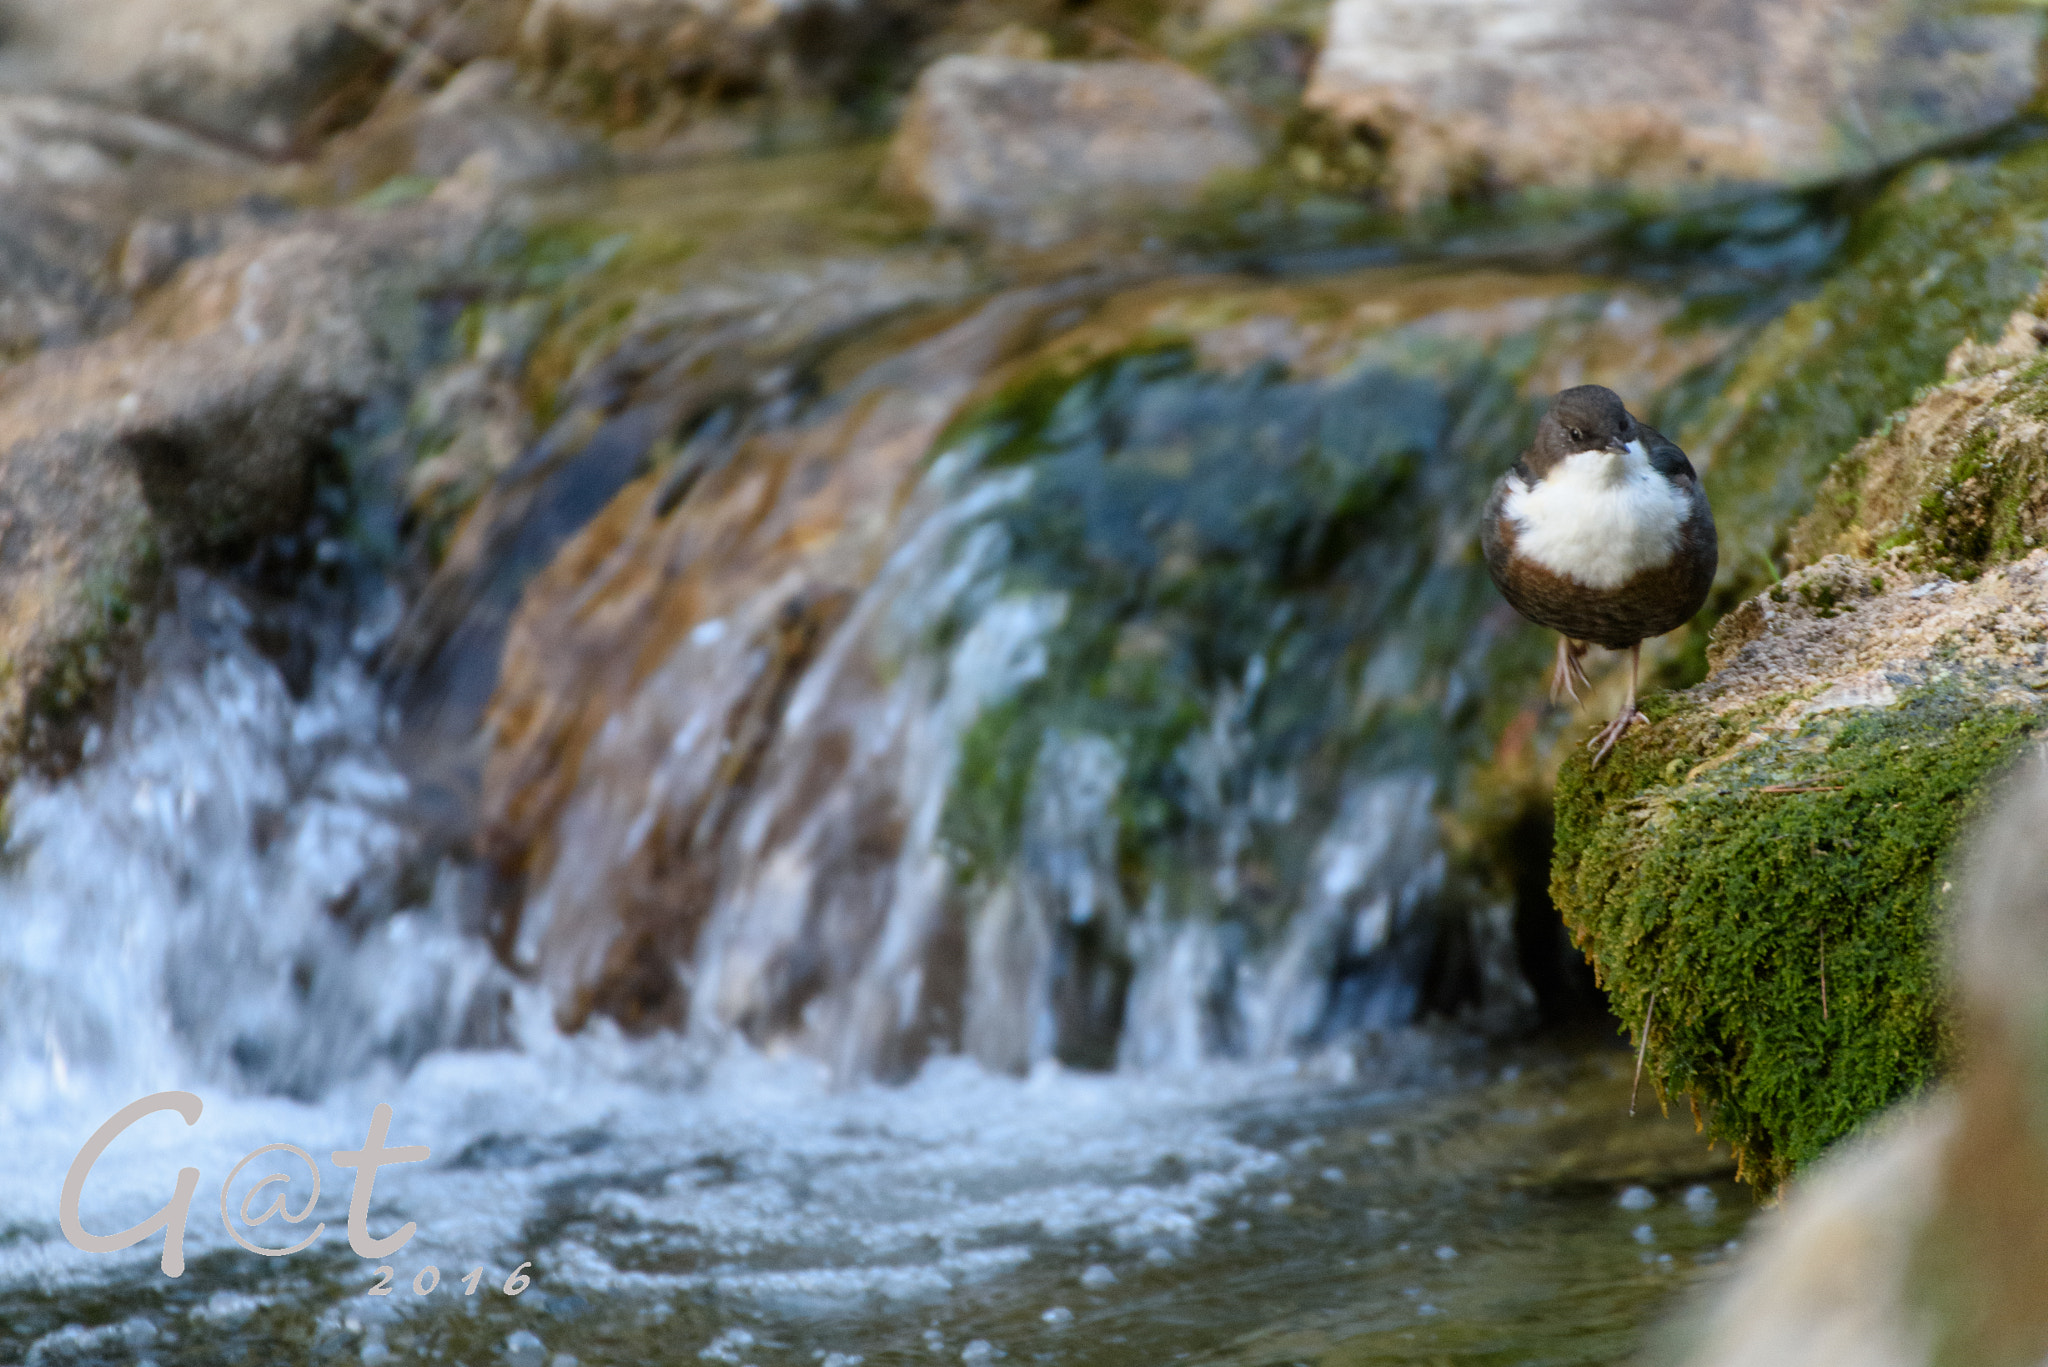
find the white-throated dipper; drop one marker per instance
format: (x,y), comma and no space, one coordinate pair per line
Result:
(1600,532)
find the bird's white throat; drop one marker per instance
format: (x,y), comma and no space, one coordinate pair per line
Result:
(1599,517)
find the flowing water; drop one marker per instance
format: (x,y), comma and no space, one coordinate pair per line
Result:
(963,863)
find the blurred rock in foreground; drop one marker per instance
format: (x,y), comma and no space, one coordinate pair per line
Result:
(1035,151)
(1664,95)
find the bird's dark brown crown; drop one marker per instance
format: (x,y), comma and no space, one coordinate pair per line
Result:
(1585,418)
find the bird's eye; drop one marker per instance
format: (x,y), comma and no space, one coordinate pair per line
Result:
(1577,435)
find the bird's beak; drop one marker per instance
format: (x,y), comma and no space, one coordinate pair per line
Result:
(1617,445)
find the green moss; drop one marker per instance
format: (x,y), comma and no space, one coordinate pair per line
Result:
(69,683)
(985,810)
(404,189)
(1944,254)
(1985,507)
(1956,522)
(1779,896)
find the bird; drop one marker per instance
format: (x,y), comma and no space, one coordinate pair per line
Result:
(1601,532)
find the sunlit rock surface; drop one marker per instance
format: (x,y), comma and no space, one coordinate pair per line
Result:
(1036,150)
(1663,95)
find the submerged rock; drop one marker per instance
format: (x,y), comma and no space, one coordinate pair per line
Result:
(1664,95)
(1034,151)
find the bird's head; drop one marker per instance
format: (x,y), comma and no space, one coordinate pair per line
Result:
(1589,417)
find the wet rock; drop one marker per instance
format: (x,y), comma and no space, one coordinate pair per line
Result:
(478,115)
(1036,151)
(270,75)
(693,376)
(732,780)
(195,430)
(1664,95)
(737,597)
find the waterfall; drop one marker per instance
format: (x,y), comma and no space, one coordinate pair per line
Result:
(218,895)
(836,743)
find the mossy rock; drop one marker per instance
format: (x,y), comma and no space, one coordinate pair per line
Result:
(1944,253)
(1958,482)
(1779,892)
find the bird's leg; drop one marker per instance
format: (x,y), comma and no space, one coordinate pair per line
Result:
(1569,676)
(1628,714)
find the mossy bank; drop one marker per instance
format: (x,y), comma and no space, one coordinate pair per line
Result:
(1767,860)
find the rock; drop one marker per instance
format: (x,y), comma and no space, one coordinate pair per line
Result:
(477,114)
(757,825)
(1956,482)
(722,352)
(48,140)
(734,593)
(1947,251)
(1036,151)
(632,63)
(1784,825)
(155,247)
(72,176)
(271,75)
(1925,1240)
(192,431)
(1664,95)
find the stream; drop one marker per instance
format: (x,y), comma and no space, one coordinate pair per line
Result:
(1010,826)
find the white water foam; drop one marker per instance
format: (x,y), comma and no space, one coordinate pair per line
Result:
(208,904)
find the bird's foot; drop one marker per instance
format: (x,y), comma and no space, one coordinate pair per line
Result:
(1611,733)
(1568,676)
